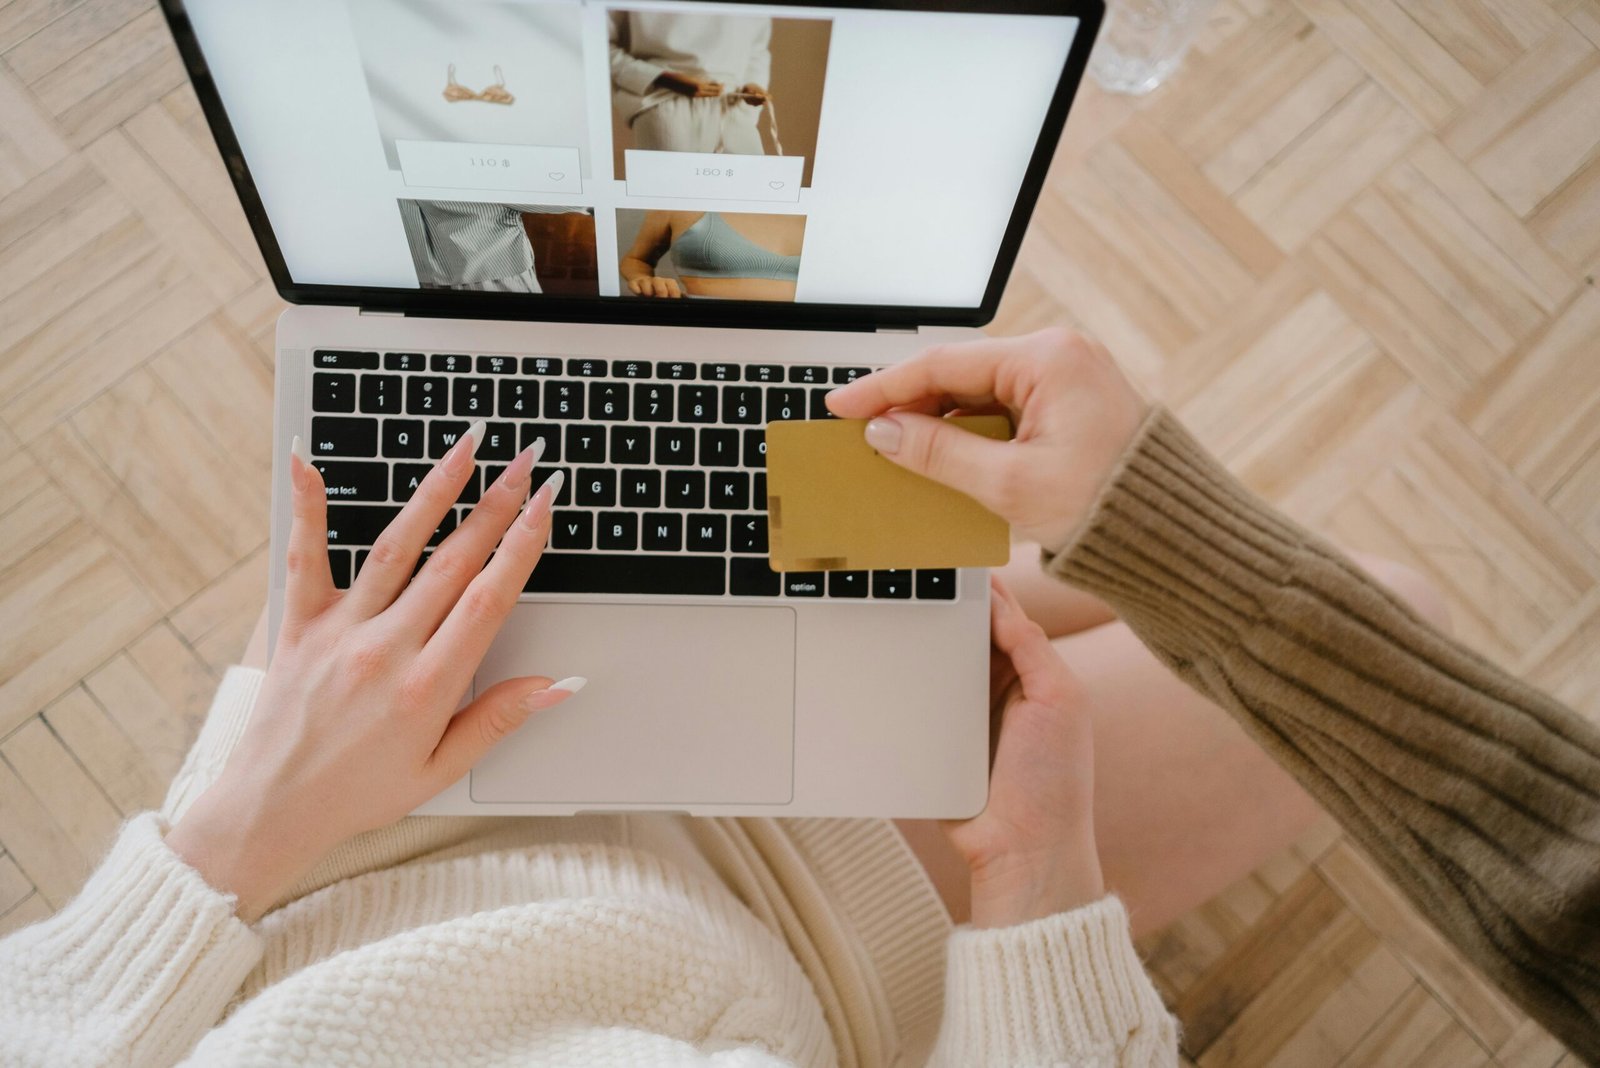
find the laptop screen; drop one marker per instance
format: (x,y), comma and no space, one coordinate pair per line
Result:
(676,153)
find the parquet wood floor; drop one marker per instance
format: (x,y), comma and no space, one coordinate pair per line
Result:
(1353,243)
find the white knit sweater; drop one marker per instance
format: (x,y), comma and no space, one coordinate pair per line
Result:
(565,954)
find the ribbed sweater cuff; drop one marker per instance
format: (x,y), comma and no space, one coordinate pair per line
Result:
(1170,533)
(1065,989)
(147,950)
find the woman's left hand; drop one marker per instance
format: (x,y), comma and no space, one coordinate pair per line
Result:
(1032,851)
(357,722)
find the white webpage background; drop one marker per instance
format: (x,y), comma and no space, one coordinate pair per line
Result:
(928,123)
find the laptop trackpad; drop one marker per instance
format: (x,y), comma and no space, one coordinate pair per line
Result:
(685,705)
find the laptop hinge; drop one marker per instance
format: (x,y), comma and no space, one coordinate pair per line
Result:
(896,330)
(384,312)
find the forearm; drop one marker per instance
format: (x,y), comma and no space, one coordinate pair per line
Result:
(133,970)
(1478,795)
(634,268)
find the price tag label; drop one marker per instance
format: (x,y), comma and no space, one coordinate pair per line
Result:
(713,176)
(466,165)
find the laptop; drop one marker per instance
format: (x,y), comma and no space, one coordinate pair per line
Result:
(643,231)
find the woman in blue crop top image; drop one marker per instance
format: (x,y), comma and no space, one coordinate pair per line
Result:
(713,254)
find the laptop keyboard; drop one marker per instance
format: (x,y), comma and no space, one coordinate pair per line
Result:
(665,462)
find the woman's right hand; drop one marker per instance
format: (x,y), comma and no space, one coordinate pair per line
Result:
(651,285)
(1073,411)
(687,84)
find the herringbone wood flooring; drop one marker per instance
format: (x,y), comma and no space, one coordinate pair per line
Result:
(1353,244)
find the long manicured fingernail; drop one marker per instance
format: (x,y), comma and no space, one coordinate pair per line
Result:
(884,434)
(459,458)
(539,504)
(517,470)
(554,694)
(299,463)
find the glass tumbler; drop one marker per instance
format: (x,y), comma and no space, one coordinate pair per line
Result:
(1144,41)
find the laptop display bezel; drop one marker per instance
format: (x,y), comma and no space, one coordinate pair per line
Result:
(730,313)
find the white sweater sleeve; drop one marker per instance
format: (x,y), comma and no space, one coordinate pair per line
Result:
(1067,989)
(132,971)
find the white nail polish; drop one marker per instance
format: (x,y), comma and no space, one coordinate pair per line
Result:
(538,450)
(571,684)
(555,482)
(298,448)
(475,432)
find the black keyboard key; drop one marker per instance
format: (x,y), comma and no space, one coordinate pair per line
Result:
(338,359)
(697,404)
(552,440)
(339,564)
(630,445)
(617,531)
(563,400)
(686,489)
(333,392)
(676,371)
(519,399)
(763,372)
(586,444)
(808,375)
(730,491)
(785,404)
(592,573)
(597,486)
(402,438)
(750,534)
(380,394)
(542,474)
(720,372)
(473,490)
(402,361)
(802,583)
(842,375)
(361,558)
(355,480)
(674,446)
(894,585)
(427,396)
(641,488)
(474,398)
(755,448)
(630,368)
(936,585)
(443,434)
(753,578)
(758,491)
(449,362)
(572,530)
(333,436)
(652,403)
(719,447)
(354,524)
(741,404)
(708,533)
(663,532)
(541,365)
(608,400)
(819,404)
(497,365)
(847,584)
(499,442)
(586,368)
(407,477)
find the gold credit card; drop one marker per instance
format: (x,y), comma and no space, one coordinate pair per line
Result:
(834,504)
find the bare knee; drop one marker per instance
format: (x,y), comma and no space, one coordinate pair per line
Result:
(1410,585)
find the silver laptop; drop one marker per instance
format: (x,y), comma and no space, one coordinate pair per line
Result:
(641,232)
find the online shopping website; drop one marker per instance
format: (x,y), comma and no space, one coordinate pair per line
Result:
(635,150)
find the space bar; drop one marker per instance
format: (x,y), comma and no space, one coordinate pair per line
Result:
(591,573)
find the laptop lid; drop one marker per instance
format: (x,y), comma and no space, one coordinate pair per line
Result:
(833,165)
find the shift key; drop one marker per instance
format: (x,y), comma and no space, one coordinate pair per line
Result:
(355,481)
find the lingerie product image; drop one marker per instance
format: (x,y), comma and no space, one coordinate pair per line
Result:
(711,248)
(497,93)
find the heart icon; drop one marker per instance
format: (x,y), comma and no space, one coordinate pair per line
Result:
(776,185)
(556,176)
